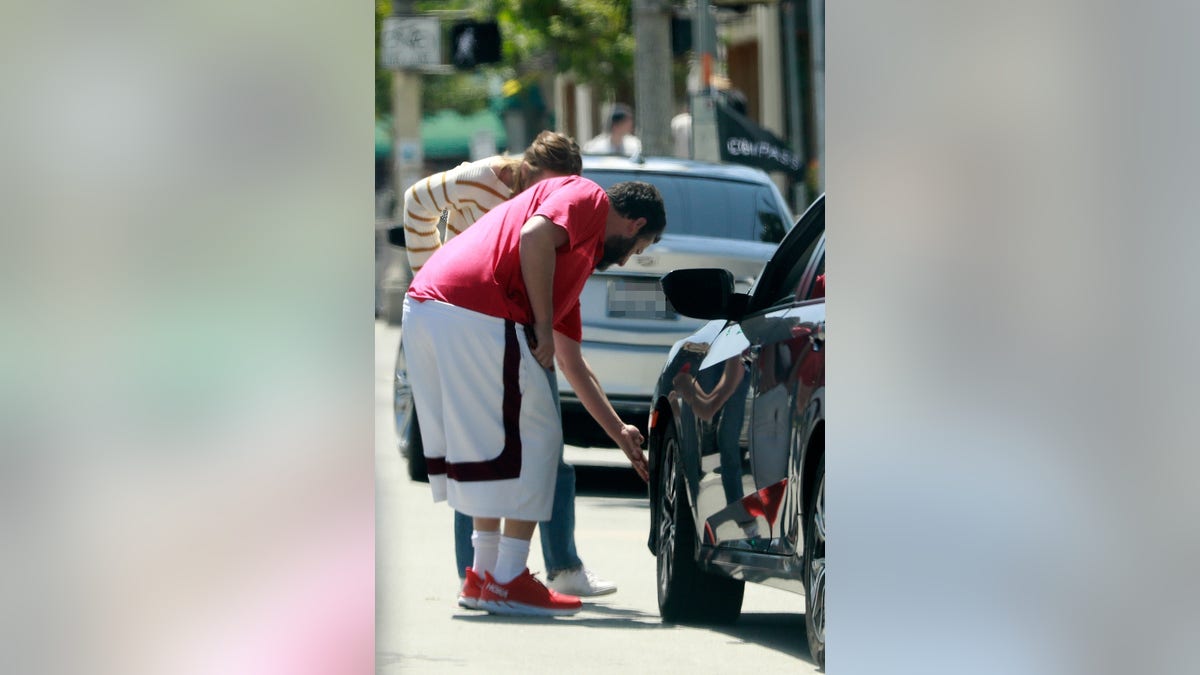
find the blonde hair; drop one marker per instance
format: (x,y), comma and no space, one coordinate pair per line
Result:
(550,151)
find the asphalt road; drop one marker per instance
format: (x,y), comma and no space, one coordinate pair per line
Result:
(419,628)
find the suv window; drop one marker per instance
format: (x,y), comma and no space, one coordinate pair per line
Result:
(709,207)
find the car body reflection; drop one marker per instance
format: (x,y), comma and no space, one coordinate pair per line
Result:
(737,437)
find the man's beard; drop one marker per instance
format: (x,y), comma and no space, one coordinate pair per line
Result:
(615,250)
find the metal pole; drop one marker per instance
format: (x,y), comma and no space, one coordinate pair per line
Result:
(408,154)
(652,75)
(704,46)
(816,31)
(705,141)
(795,118)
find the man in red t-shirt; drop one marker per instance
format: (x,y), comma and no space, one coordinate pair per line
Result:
(484,390)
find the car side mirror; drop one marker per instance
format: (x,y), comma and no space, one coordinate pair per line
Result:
(395,236)
(704,293)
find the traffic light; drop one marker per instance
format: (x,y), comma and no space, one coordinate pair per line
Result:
(474,42)
(681,35)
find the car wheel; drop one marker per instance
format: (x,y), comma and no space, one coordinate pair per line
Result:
(814,566)
(686,593)
(416,452)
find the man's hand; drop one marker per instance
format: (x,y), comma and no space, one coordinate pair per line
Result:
(542,345)
(581,378)
(631,440)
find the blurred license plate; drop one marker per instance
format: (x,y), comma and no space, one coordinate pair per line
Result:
(633,298)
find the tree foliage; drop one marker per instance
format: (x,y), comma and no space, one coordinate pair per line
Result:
(465,93)
(592,39)
(383,76)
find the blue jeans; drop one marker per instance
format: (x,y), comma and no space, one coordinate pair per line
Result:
(729,434)
(558,533)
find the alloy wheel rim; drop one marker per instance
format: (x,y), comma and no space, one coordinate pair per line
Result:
(666,518)
(816,583)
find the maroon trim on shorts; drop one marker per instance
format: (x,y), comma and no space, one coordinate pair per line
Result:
(435,466)
(507,464)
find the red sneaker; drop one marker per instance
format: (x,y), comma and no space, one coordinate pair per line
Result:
(525,596)
(472,587)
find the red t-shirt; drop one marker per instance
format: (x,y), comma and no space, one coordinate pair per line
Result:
(480,269)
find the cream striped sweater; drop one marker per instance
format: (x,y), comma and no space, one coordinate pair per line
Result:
(465,192)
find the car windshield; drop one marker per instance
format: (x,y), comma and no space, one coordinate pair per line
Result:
(710,207)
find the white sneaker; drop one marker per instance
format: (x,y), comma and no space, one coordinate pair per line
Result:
(581,582)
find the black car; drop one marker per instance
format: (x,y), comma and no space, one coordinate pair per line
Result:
(737,438)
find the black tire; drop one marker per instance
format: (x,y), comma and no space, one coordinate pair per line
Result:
(814,568)
(686,594)
(415,453)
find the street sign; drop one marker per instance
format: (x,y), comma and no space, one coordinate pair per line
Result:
(410,42)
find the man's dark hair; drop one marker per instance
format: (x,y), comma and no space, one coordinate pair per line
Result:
(619,113)
(635,199)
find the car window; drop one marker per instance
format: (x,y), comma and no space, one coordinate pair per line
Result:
(798,286)
(811,287)
(710,207)
(786,292)
(778,283)
(785,270)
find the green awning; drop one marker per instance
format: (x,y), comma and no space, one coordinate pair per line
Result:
(383,137)
(445,134)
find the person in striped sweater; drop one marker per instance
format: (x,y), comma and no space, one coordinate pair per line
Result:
(462,195)
(471,189)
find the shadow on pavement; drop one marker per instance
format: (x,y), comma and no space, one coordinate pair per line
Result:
(783,632)
(605,481)
(616,618)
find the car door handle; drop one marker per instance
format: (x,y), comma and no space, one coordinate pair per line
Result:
(753,351)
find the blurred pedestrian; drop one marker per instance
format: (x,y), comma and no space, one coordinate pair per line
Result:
(681,135)
(619,138)
(484,390)
(681,124)
(465,193)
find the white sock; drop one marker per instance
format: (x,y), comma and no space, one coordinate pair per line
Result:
(514,553)
(487,548)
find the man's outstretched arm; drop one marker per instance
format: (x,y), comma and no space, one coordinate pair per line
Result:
(587,388)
